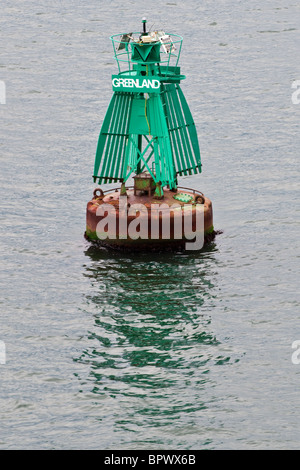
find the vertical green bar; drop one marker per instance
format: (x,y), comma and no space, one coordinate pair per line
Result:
(103,134)
(111,157)
(106,160)
(122,155)
(184,133)
(157,160)
(167,160)
(186,160)
(191,127)
(171,127)
(181,153)
(115,150)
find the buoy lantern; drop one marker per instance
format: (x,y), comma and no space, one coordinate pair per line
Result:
(148,138)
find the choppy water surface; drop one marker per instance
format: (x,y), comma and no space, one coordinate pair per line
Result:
(182,351)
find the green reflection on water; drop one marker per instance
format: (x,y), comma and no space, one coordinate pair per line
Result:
(151,343)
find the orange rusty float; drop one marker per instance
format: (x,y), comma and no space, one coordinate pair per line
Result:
(147,214)
(148,135)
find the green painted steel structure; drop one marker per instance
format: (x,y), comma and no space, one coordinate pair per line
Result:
(148,125)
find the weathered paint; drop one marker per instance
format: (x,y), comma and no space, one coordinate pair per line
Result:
(112,198)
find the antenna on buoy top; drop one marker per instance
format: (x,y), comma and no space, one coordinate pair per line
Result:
(144,22)
(148,136)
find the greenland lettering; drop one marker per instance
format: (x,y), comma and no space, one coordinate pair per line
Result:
(136,83)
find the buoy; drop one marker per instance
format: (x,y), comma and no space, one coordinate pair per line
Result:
(148,138)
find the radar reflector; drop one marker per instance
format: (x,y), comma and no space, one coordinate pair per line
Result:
(165,40)
(167,44)
(124,40)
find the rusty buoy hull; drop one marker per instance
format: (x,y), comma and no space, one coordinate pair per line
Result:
(134,222)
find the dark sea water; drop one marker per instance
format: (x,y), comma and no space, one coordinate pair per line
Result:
(173,351)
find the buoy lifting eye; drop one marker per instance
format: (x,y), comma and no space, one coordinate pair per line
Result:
(200,199)
(98,192)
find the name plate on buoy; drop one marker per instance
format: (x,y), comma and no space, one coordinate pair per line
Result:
(140,83)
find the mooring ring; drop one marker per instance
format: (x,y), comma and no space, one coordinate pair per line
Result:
(95,193)
(200,199)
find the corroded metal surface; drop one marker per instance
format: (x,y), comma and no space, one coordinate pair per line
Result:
(149,204)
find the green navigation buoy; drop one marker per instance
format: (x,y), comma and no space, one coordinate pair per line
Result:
(148,132)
